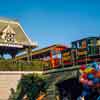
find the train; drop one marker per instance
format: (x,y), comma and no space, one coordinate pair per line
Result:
(82,51)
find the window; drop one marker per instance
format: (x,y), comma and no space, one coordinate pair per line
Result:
(74,45)
(84,44)
(98,42)
(9,37)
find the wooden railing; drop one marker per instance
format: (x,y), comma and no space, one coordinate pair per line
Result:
(35,65)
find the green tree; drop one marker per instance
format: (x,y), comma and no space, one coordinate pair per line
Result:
(30,85)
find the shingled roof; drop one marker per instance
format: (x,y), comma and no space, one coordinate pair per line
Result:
(12,32)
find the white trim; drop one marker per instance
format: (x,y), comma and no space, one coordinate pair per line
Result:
(27,36)
(11,45)
(21,72)
(9,21)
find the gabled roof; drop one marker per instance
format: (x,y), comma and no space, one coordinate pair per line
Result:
(8,25)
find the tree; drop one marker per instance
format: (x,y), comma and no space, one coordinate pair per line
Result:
(30,86)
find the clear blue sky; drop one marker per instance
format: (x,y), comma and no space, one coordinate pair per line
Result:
(55,21)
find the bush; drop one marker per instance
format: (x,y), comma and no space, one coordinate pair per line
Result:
(30,85)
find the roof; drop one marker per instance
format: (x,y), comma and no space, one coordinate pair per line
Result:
(45,50)
(8,25)
(98,37)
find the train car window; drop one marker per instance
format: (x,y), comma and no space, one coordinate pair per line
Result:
(91,42)
(53,52)
(56,54)
(74,45)
(84,44)
(97,50)
(92,50)
(59,54)
(98,42)
(78,45)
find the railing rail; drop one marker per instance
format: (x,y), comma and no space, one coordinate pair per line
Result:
(11,65)
(35,65)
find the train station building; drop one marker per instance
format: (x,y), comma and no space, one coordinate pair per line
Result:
(13,39)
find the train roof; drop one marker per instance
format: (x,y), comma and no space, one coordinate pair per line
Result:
(86,38)
(43,51)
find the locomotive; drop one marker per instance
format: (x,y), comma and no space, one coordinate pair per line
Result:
(82,51)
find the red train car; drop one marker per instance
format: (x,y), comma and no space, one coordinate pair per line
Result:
(51,54)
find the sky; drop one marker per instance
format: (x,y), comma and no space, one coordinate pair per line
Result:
(51,22)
